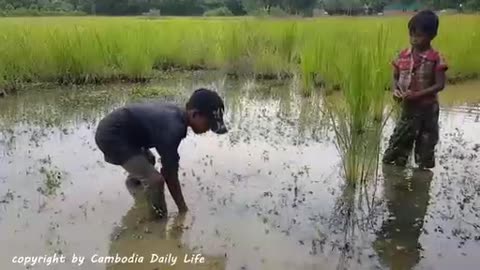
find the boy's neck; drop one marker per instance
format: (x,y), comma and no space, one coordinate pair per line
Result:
(421,49)
(186,117)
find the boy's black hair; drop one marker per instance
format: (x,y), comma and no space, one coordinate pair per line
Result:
(210,104)
(205,101)
(426,22)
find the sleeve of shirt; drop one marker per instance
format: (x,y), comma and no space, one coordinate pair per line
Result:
(441,63)
(170,160)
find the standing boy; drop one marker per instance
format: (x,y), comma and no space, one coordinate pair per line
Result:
(125,135)
(419,74)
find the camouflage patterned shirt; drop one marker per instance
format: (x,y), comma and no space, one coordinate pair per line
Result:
(417,71)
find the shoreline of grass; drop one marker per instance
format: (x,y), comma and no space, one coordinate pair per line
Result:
(160,74)
(26,13)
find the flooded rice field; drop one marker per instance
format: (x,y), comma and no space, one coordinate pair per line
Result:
(268,195)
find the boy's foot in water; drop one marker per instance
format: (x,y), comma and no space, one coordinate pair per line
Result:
(156,198)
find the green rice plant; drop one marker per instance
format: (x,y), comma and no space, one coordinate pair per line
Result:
(135,59)
(287,40)
(230,47)
(75,59)
(268,64)
(459,53)
(358,118)
(310,62)
(311,117)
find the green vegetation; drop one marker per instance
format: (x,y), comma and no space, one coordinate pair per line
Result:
(358,117)
(91,50)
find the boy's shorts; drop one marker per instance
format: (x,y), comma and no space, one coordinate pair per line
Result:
(111,138)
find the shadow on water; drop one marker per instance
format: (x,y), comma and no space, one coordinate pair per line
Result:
(407,198)
(159,243)
(354,215)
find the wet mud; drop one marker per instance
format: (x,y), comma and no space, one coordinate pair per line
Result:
(268,195)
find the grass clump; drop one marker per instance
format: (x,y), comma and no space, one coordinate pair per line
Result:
(358,117)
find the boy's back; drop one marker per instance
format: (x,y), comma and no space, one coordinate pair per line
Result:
(160,123)
(146,125)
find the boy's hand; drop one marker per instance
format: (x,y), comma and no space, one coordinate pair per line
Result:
(397,93)
(410,95)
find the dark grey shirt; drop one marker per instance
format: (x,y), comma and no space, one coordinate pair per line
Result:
(156,125)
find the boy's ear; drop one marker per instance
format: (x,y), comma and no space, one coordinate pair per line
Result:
(195,113)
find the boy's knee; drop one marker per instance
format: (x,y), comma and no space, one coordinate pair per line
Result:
(139,167)
(149,156)
(155,180)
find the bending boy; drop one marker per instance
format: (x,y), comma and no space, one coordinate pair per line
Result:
(125,136)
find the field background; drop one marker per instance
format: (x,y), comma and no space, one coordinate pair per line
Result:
(97,49)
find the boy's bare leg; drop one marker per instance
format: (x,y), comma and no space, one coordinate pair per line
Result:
(154,190)
(134,180)
(140,168)
(150,157)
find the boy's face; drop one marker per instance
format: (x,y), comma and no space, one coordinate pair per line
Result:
(199,123)
(419,40)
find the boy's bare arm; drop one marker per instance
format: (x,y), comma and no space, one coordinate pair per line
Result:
(395,89)
(171,177)
(170,163)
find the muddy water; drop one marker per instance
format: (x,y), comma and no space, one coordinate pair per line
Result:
(269,195)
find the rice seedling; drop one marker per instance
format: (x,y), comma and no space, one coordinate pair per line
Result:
(310,60)
(52,182)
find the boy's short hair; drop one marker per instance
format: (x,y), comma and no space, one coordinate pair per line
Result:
(205,101)
(425,21)
(209,104)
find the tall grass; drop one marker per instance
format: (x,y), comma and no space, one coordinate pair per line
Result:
(90,49)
